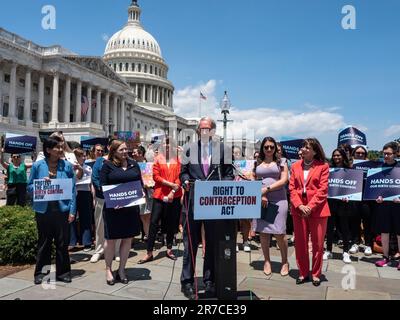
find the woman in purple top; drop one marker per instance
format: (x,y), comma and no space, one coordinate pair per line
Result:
(273,171)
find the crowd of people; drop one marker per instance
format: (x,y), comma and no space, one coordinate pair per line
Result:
(296,190)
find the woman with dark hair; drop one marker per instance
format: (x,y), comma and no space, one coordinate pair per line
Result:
(363,212)
(16,179)
(309,207)
(274,174)
(53,217)
(341,212)
(119,223)
(388,212)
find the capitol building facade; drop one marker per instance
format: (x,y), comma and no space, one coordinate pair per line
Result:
(52,89)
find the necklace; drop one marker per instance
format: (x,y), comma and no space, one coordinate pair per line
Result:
(308,163)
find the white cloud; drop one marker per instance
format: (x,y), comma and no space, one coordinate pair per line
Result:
(259,122)
(392,131)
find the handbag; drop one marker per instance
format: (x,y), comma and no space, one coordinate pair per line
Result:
(269,213)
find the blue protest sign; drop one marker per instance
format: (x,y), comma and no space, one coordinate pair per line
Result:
(345,183)
(365,165)
(382,182)
(292,148)
(88,142)
(352,136)
(18,144)
(124,195)
(226,200)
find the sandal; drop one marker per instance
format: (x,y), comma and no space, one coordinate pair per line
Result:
(171,256)
(143,261)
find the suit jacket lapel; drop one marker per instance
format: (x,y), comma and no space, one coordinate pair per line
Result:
(312,171)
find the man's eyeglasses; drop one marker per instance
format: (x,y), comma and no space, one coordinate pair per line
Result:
(388,154)
(269,148)
(16,157)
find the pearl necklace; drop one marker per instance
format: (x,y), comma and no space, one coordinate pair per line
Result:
(308,164)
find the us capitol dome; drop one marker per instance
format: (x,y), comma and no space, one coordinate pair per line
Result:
(135,55)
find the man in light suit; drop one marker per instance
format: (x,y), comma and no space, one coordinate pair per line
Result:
(204,160)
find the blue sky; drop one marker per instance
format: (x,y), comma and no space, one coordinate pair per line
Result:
(288,65)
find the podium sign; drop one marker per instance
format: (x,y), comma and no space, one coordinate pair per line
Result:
(227,200)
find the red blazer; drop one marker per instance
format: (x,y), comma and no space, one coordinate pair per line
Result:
(316,187)
(161,172)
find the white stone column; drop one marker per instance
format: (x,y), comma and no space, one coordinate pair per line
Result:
(12,100)
(67,100)
(137,93)
(115,113)
(40,116)
(151,94)
(1,87)
(157,95)
(89,97)
(131,118)
(78,105)
(107,113)
(28,95)
(54,105)
(172,100)
(98,106)
(122,114)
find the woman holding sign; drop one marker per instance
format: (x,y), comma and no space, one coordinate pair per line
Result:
(388,212)
(341,212)
(16,179)
(53,217)
(274,174)
(119,223)
(309,207)
(166,198)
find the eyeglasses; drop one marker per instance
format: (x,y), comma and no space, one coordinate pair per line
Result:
(99,150)
(360,153)
(269,148)
(16,157)
(388,154)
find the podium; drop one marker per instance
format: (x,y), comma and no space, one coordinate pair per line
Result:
(212,199)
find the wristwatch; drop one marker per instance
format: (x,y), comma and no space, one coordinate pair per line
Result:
(268,189)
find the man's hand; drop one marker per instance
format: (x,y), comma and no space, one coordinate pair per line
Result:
(71,218)
(175,187)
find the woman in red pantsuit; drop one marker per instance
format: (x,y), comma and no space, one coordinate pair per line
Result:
(310,210)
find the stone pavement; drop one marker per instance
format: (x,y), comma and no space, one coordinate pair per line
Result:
(159,280)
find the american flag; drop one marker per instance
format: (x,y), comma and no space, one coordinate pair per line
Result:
(84,105)
(202,96)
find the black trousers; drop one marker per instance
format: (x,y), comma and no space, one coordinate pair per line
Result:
(364,214)
(191,240)
(53,226)
(342,222)
(16,194)
(169,213)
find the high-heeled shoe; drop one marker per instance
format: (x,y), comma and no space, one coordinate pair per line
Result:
(301,280)
(285,273)
(143,261)
(171,256)
(123,281)
(111,282)
(316,282)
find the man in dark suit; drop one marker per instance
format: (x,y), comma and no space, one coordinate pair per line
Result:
(204,160)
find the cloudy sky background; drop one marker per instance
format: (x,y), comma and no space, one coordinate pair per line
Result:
(288,66)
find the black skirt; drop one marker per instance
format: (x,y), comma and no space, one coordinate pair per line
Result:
(121,224)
